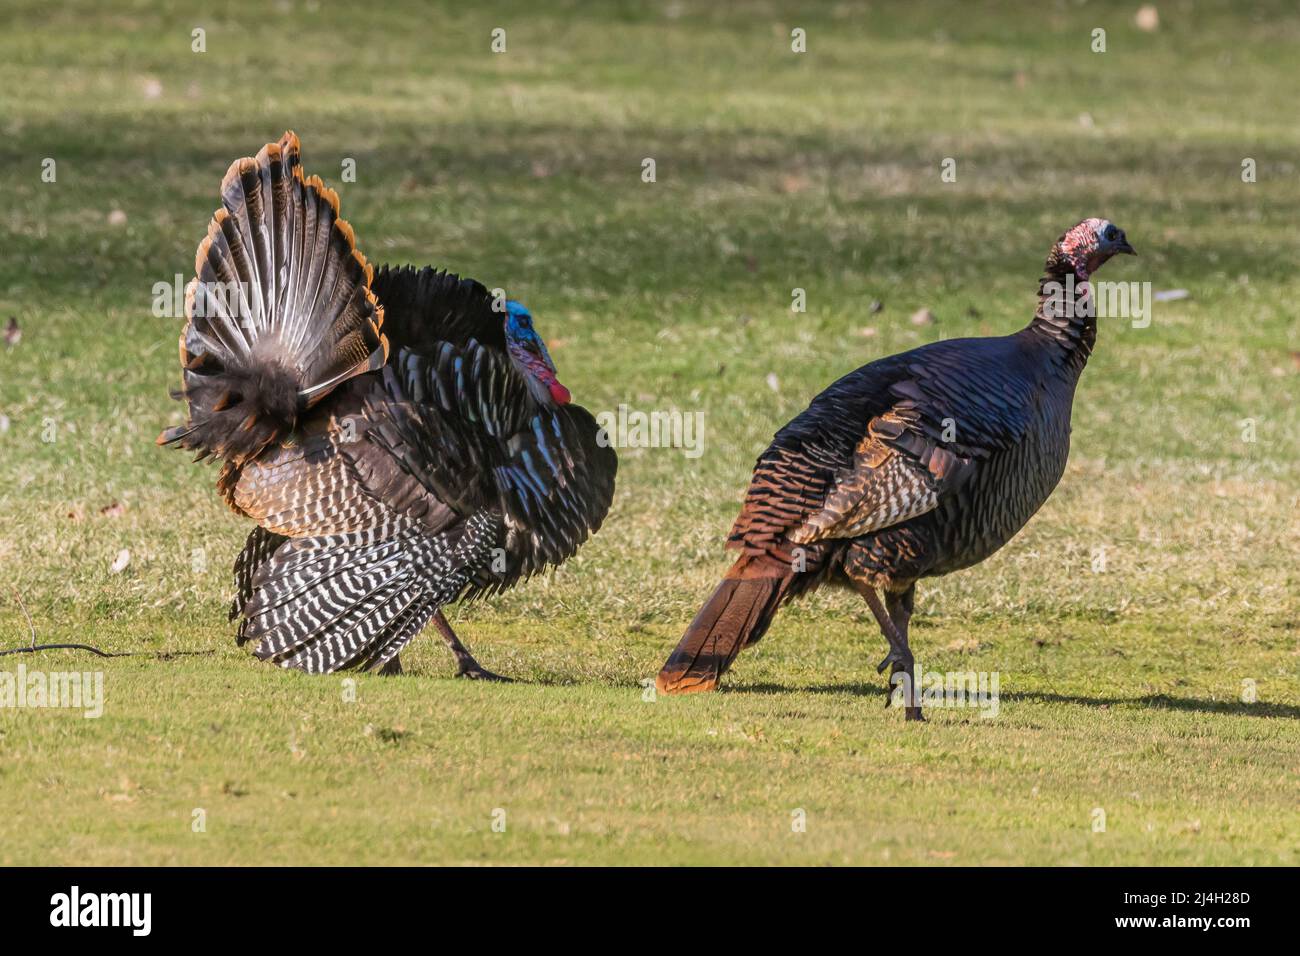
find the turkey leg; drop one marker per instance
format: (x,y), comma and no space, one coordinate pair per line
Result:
(899,659)
(466,666)
(899,607)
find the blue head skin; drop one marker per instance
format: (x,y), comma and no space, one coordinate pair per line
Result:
(530,356)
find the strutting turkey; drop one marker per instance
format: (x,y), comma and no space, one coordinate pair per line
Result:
(400,437)
(914,466)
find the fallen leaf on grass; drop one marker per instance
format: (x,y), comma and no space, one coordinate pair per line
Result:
(792,183)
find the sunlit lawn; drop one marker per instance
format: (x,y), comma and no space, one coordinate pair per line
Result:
(1145,627)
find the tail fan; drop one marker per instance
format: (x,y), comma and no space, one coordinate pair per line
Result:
(279,313)
(334,602)
(737,614)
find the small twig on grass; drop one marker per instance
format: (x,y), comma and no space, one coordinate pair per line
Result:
(33,647)
(30,626)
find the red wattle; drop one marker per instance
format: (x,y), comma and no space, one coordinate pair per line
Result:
(559,393)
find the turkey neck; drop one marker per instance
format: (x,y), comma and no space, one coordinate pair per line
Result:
(1065,322)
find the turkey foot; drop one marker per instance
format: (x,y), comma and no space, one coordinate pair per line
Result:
(470,669)
(895,658)
(902,665)
(466,666)
(908,692)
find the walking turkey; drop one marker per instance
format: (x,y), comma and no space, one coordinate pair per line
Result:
(401,438)
(917,465)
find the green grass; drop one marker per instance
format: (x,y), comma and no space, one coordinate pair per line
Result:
(1121,690)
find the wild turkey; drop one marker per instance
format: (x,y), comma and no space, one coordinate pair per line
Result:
(914,466)
(400,438)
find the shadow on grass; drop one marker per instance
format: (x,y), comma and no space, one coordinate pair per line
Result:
(1146,701)
(1164,702)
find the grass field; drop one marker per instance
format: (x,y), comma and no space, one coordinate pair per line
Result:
(1123,690)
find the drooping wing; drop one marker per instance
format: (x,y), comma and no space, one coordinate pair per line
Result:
(884,444)
(462,423)
(352,556)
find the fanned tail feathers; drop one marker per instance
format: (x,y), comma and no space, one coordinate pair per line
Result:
(279,313)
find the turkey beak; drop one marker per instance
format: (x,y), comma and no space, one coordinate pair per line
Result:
(1126,249)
